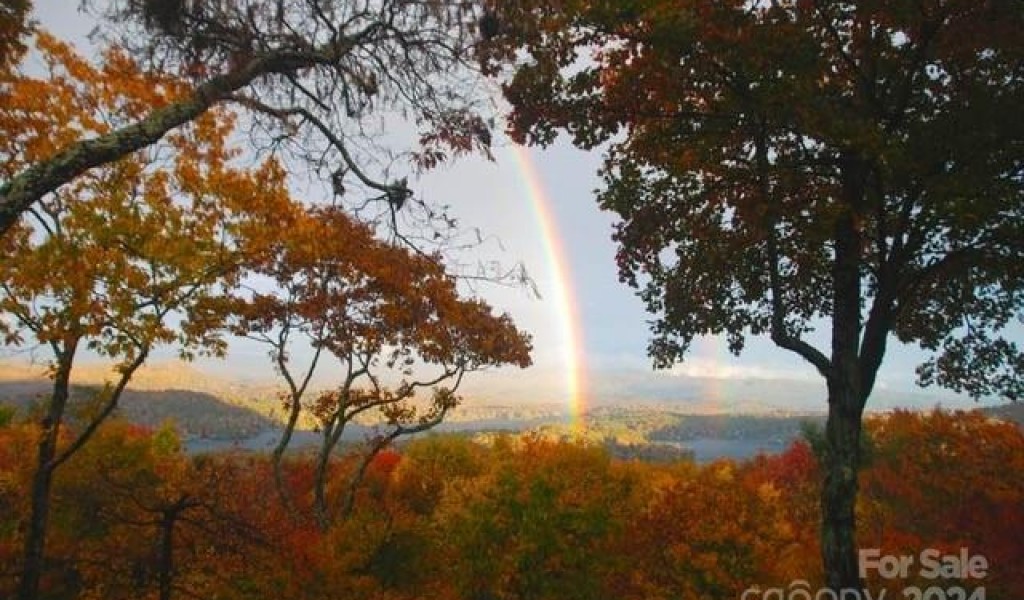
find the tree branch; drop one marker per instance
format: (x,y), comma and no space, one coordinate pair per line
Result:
(335,141)
(780,334)
(383,442)
(108,408)
(42,178)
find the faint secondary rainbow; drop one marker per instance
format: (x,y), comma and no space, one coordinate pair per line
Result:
(561,289)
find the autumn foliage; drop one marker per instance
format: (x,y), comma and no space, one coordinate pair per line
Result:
(156,249)
(130,221)
(131,256)
(795,166)
(444,517)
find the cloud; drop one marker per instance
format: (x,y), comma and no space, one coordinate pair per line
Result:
(720,369)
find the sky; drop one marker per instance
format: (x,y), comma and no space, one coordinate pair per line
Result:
(570,256)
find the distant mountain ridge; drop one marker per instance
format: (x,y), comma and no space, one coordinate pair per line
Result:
(690,393)
(194,413)
(198,403)
(211,406)
(1013,412)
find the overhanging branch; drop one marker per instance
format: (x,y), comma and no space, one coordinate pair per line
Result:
(336,142)
(44,177)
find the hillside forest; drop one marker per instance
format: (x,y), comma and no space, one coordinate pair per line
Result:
(524,517)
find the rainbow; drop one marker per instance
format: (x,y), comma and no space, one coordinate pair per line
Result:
(561,290)
(711,350)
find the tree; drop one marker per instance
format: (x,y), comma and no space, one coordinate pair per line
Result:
(14,26)
(383,312)
(784,167)
(134,516)
(539,522)
(128,258)
(959,487)
(310,73)
(705,532)
(172,524)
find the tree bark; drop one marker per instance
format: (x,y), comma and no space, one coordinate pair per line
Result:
(839,491)
(33,555)
(846,395)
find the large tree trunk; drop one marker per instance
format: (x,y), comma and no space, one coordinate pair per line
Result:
(35,535)
(839,490)
(846,394)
